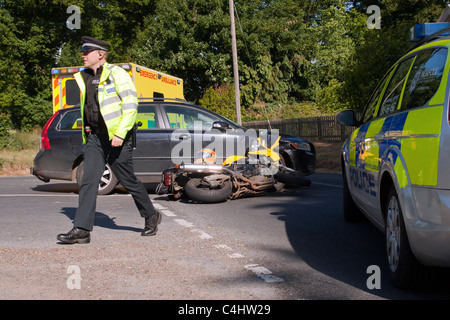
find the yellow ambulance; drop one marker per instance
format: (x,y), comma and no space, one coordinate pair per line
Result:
(149,84)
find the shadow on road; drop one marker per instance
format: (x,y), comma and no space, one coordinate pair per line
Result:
(101,220)
(70,187)
(344,251)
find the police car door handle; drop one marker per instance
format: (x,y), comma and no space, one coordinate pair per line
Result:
(379,137)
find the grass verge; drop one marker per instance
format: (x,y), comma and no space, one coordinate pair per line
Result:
(17,157)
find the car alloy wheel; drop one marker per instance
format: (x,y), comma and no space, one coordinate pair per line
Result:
(107,183)
(393,233)
(405,271)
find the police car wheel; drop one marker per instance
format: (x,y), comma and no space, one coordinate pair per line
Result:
(404,269)
(107,183)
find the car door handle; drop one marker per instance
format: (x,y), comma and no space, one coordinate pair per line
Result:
(182,137)
(379,137)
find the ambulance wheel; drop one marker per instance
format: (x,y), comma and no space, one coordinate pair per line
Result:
(196,190)
(107,183)
(405,271)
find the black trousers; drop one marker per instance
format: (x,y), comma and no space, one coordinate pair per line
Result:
(97,152)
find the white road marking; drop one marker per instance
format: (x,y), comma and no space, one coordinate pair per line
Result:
(328,184)
(263,273)
(184,223)
(168,213)
(223,246)
(202,234)
(258,270)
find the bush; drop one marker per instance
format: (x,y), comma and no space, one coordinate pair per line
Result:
(330,99)
(221,100)
(35,112)
(5,125)
(23,140)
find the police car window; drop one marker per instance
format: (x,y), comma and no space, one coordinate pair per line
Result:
(147,117)
(71,121)
(186,118)
(394,89)
(370,109)
(425,78)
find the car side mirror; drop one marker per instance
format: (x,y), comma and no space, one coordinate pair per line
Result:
(346,118)
(221,125)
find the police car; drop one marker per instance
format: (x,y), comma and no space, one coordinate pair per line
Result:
(395,164)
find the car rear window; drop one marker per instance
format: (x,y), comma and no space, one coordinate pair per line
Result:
(424,78)
(71,121)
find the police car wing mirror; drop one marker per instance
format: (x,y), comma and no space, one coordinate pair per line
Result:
(346,118)
(139,124)
(220,125)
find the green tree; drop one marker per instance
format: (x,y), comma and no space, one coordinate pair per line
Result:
(35,38)
(379,49)
(190,39)
(221,100)
(29,43)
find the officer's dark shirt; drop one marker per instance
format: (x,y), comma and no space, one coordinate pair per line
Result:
(92,116)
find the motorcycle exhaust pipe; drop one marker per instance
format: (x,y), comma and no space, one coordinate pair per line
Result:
(210,168)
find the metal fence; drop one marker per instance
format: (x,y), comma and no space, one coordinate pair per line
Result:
(315,128)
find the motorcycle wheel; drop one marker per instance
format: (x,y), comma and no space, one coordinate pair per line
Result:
(196,190)
(292,181)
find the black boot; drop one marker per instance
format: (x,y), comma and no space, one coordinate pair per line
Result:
(76,235)
(151,224)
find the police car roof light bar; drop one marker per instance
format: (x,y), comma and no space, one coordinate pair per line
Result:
(426,32)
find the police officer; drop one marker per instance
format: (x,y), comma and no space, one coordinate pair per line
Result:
(108,110)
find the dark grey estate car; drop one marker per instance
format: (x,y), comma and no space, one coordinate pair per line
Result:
(168,132)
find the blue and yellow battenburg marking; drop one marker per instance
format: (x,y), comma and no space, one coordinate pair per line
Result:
(410,145)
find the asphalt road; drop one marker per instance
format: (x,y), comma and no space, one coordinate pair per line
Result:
(281,246)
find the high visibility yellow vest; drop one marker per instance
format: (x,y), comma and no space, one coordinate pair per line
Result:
(117,97)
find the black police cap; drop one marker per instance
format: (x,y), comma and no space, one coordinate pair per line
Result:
(89,43)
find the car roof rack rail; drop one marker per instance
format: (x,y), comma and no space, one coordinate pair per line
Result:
(431,37)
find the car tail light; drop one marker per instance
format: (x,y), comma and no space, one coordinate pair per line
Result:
(45,143)
(167,178)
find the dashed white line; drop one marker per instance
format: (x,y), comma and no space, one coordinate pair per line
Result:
(184,223)
(223,246)
(202,234)
(263,273)
(258,270)
(168,213)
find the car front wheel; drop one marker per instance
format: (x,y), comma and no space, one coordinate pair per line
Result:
(107,182)
(405,271)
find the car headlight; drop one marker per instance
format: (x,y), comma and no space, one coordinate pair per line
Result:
(301,146)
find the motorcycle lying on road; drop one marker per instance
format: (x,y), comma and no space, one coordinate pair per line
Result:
(208,182)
